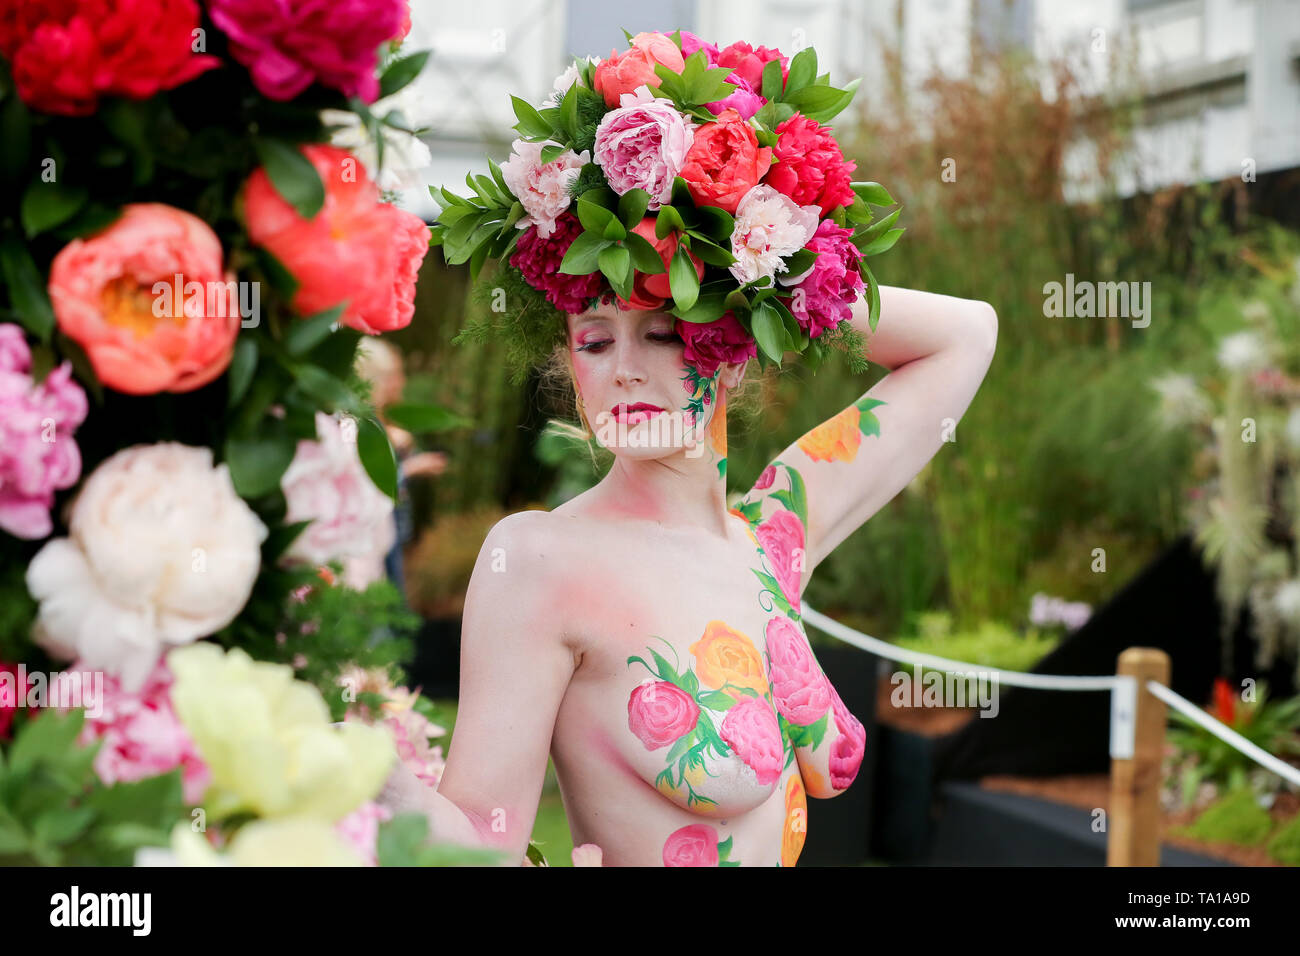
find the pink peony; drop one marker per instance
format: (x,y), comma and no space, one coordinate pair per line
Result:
(849,746)
(360,830)
(746,101)
(782,538)
(765,479)
(542,189)
(643,144)
(356,249)
(694,845)
(747,63)
(769,226)
(140,733)
(800,689)
(831,286)
(539,258)
(751,730)
(624,72)
(711,344)
(37,453)
(659,713)
(289,44)
(691,43)
(810,168)
(327,485)
(725,162)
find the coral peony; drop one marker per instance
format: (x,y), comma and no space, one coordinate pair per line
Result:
(113,293)
(725,162)
(712,344)
(356,249)
(161,551)
(289,44)
(67,54)
(769,226)
(539,260)
(831,286)
(327,485)
(139,733)
(541,188)
(37,453)
(642,145)
(624,72)
(811,170)
(653,291)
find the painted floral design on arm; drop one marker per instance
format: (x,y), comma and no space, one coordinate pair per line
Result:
(839,438)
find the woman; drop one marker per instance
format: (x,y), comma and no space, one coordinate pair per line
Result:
(647,636)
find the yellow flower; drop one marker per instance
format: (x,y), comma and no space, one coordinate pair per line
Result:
(269,741)
(694,775)
(796,821)
(835,438)
(724,655)
(295,842)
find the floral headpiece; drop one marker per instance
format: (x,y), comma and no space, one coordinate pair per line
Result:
(681,177)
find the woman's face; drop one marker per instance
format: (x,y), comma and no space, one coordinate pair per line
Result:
(641,398)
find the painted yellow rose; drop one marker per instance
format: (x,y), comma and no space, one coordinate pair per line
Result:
(837,438)
(796,821)
(694,775)
(718,428)
(726,656)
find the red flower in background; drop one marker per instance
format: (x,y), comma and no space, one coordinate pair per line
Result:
(13,694)
(66,54)
(1224,702)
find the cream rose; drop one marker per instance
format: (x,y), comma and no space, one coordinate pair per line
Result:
(161,552)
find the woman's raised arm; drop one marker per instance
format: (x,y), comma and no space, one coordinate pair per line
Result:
(514,669)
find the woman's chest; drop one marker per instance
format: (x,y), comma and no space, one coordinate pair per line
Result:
(675,687)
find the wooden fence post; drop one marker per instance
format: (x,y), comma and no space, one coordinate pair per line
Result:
(1133,827)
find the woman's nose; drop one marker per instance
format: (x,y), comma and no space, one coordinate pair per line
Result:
(629,369)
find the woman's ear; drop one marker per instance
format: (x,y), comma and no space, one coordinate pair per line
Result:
(733,375)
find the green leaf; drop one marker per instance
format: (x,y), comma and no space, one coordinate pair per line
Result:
(683,280)
(632,207)
(292,174)
(615,230)
(45,737)
(819,103)
(27,293)
(803,69)
(305,334)
(717,700)
(242,366)
(772,80)
(594,217)
(645,259)
(61,824)
(377,455)
(583,255)
(707,308)
(690,683)
(616,263)
(668,220)
(768,331)
(873,193)
(257,464)
(551,152)
(280,538)
(569,112)
(415,417)
(401,72)
(883,243)
(531,123)
(46,205)
(331,392)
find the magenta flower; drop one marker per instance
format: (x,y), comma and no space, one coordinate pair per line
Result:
(800,689)
(782,538)
(289,44)
(692,845)
(751,730)
(659,713)
(711,344)
(539,260)
(832,285)
(849,746)
(37,453)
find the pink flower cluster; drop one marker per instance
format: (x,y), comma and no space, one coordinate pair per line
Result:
(360,830)
(751,730)
(834,283)
(141,734)
(37,453)
(289,44)
(800,689)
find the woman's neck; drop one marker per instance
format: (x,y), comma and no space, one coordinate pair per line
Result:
(687,488)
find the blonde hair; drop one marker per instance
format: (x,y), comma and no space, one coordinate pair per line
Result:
(377,360)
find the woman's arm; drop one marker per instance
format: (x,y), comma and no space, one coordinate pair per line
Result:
(515,668)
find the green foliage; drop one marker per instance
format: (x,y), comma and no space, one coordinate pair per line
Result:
(330,628)
(530,327)
(55,812)
(991,644)
(1272,725)
(404,841)
(1236,818)
(1284,845)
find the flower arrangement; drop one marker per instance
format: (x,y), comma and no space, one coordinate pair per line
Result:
(681,176)
(188,461)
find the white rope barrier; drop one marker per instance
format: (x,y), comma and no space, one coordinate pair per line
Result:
(1110,682)
(1011,678)
(1224,732)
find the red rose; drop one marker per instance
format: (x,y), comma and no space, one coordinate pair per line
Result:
(66,54)
(659,713)
(710,344)
(725,162)
(810,168)
(694,845)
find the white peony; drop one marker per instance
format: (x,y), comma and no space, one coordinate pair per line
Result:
(327,485)
(161,552)
(769,226)
(566,80)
